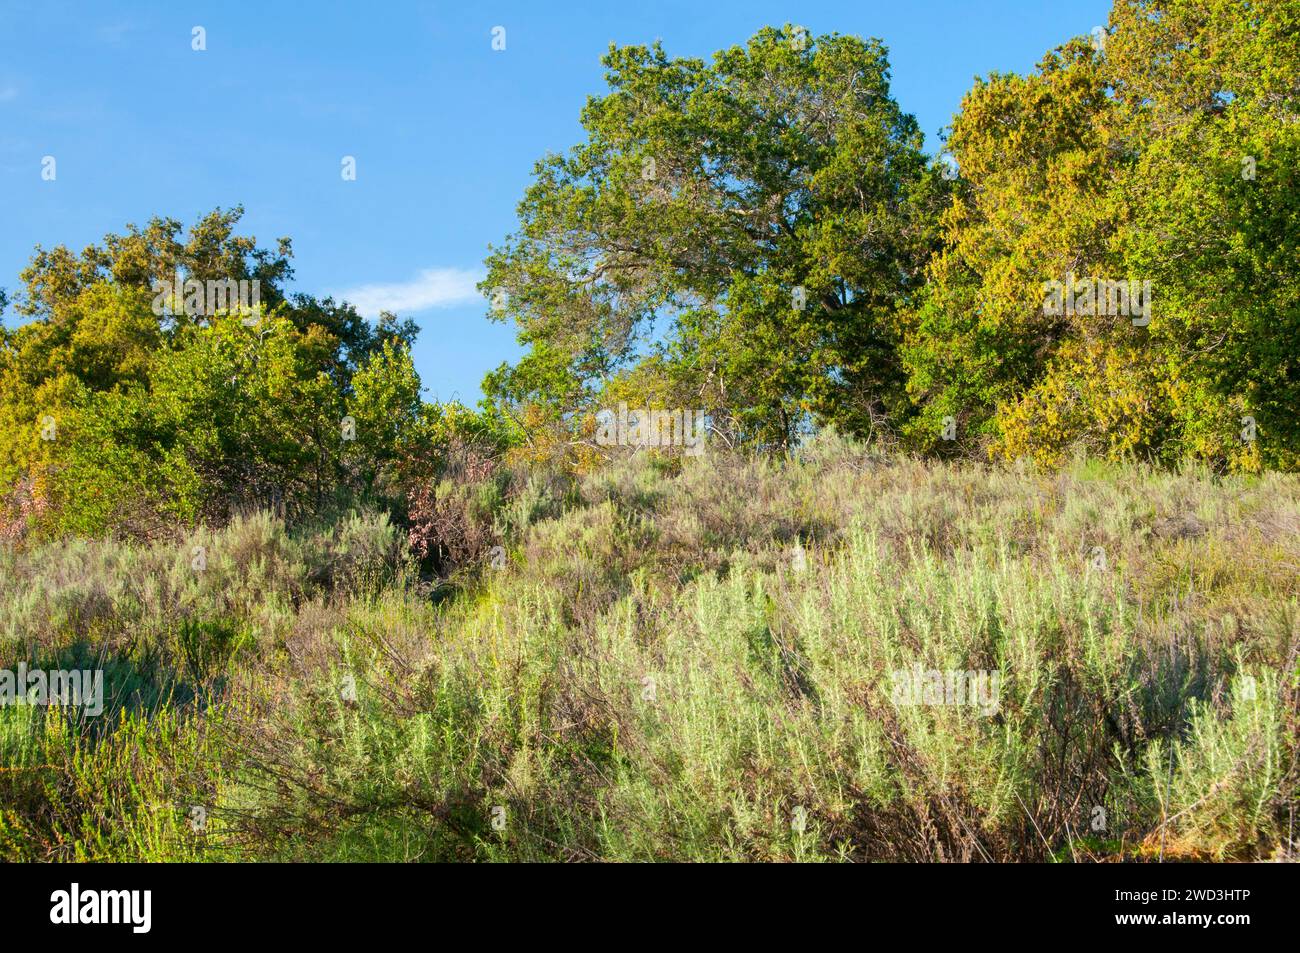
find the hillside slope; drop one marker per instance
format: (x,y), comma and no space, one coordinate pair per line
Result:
(842,656)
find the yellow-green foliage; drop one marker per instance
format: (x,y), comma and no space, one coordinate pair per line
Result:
(1169,156)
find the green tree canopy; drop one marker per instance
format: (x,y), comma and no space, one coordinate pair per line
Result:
(751,226)
(118,416)
(1165,153)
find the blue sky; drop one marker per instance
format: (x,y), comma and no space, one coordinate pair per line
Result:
(444,130)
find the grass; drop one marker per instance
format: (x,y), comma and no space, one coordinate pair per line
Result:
(683,660)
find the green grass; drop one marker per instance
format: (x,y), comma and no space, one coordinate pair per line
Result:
(656,674)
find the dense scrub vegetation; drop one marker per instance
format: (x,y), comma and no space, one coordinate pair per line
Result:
(686,661)
(337,621)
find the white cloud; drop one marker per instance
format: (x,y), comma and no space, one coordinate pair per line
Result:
(114,32)
(432,288)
